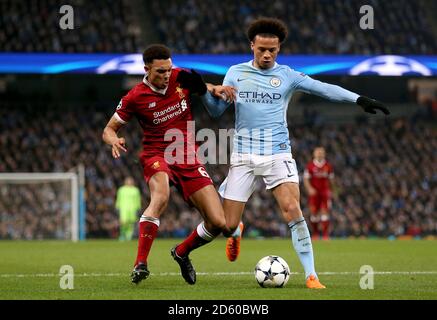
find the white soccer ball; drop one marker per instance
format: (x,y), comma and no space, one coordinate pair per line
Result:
(272,272)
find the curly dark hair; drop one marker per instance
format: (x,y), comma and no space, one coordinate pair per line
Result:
(267,27)
(156,51)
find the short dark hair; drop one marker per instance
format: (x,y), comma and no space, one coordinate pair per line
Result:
(156,51)
(267,27)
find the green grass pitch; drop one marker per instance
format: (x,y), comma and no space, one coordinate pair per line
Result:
(403,269)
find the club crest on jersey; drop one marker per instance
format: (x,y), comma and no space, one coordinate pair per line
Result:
(181,92)
(156,165)
(275,82)
(152,105)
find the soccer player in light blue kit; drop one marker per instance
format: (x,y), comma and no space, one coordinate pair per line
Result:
(261,143)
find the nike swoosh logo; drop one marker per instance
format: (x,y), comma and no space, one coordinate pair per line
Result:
(302,239)
(238,80)
(290,175)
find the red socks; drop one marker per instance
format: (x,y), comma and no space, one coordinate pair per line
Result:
(147,233)
(148,229)
(315,229)
(325,229)
(199,237)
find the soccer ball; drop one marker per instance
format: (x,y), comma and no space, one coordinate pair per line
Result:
(272,272)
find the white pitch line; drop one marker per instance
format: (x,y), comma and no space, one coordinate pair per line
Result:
(327,273)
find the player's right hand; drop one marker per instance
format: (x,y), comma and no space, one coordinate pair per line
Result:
(370,105)
(312,191)
(192,81)
(117,145)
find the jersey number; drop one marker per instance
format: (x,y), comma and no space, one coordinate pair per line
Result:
(203,172)
(184,105)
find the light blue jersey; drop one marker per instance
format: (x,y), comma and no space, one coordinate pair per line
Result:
(262,102)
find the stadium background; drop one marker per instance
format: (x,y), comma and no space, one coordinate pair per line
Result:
(385,167)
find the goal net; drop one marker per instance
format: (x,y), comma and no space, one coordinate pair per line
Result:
(39,206)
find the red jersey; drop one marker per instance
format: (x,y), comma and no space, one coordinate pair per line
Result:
(319,174)
(158,111)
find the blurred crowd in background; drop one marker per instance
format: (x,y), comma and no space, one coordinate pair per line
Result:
(208,26)
(385,172)
(315,26)
(99,26)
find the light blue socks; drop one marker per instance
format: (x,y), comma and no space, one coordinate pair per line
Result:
(300,236)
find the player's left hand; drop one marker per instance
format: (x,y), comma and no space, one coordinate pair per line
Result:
(192,81)
(370,105)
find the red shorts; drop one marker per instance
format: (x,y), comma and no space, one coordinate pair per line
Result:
(320,201)
(187,178)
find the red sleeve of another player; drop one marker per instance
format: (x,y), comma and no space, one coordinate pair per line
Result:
(125,109)
(307,173)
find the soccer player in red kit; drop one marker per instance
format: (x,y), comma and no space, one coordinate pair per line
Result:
(318,182)
(161,104)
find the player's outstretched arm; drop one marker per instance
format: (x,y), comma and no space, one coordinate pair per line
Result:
(339,94)
(111,138)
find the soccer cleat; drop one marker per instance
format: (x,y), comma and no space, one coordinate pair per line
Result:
(314,283)
(139,273)
(233,245)
(187,269)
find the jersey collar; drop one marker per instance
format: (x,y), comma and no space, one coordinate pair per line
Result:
(250,63)
(319,164)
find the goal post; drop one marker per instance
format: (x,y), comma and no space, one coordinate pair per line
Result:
(42,206)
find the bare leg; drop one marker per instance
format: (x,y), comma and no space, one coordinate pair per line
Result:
(149,223)
(233,214)
(207,201)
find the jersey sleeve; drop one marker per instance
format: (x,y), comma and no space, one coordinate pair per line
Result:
(117,201)
(125,109)
(213,105)
(307,172)
(229,78)
(302,82)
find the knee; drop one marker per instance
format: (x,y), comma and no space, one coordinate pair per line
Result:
(216,224)
(292,207)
